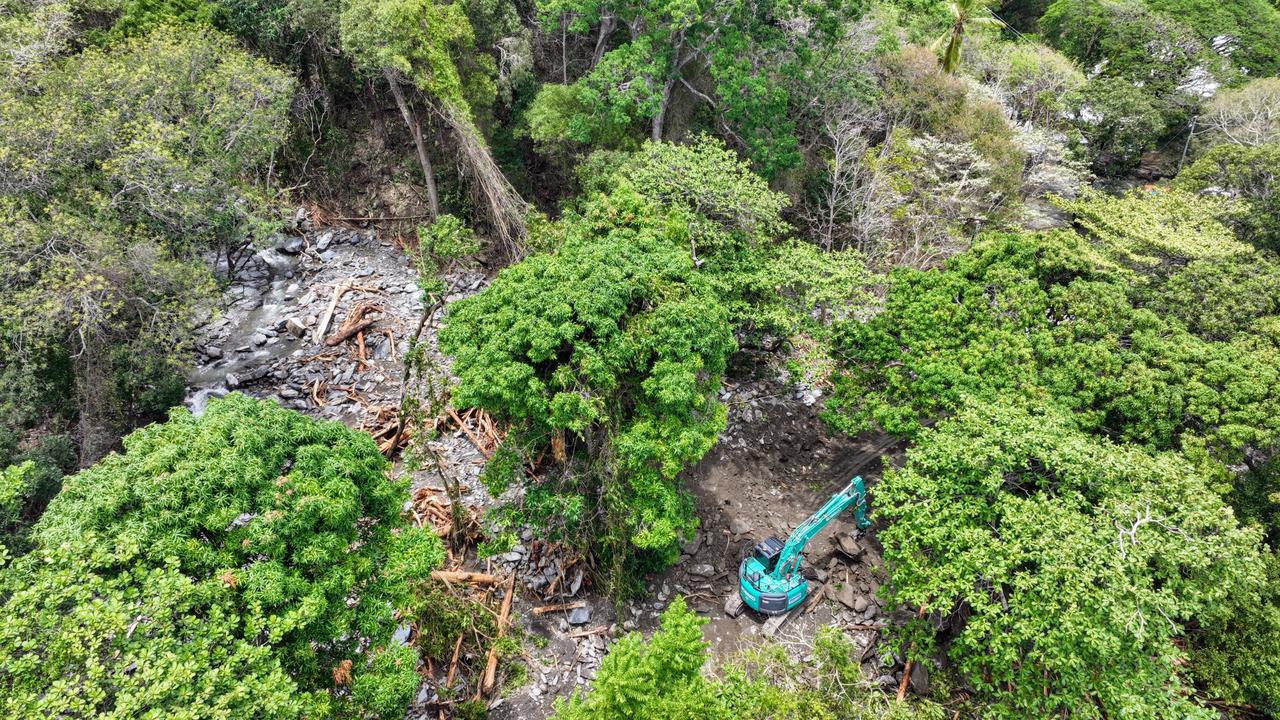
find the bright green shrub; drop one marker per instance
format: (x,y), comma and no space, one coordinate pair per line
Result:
(1040,317)
(1249,174)
(660,679)
(1237,658)
(1220,298)
(614,337)
(1075,563)
(223,566)
(654,678)
(616,341)
(1150,229)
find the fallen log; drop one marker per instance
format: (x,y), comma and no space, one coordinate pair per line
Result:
(491,664)
(470,435)
(354,324)
(906,670)
(462,576)
(323,326)
(557,608)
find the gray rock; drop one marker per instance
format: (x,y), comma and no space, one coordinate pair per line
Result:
(295,327)
(860,604)
(258,339)
(241,520)
(705,570)
(401,636)
(291,244)
(886,681)
(324,240)
(846,544)
(919,681)
(579,616)
(276,260)
(845,596)
(213,351)
(328,255)
(739,526)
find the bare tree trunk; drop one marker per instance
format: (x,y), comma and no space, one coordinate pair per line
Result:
(661,116)
(607,23)
(415,129)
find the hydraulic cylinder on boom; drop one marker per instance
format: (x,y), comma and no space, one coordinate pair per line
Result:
(769,578)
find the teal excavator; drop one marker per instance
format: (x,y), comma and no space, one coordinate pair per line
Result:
(769,578)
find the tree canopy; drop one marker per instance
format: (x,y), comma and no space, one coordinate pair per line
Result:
(221,566)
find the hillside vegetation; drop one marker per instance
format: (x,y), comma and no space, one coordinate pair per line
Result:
(1034,241)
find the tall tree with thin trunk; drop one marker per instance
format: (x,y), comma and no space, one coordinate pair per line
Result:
(413,43)
(964,14)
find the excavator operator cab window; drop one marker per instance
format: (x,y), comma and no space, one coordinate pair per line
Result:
(767,551)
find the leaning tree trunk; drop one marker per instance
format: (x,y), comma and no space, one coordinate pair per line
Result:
(506,207)
(415,129)
(660,118)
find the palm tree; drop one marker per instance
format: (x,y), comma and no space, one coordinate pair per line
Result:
(963,13)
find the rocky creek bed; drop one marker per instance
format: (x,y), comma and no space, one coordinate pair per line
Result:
(773,465)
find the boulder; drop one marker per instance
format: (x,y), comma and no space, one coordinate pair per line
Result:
(295,327)
(919,681)
(705,570)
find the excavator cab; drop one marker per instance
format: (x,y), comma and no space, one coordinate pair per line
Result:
(766,552)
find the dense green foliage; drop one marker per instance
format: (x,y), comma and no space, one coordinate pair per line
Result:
(1095,384)
(121,168)
(620,335)
(978,243)
(660,678)
(1251,176)
(1076,561)
(220,567)
(1040,317)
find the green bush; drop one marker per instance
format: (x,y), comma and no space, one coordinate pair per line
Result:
(1119,123)
(1075,563)
(1050,317)
(1126,39)
(223,566)
(616,340)
(660,679)
(33,478)
(1248,174)
(654,678)
(1254,26)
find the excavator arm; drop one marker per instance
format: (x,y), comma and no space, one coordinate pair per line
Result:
(855,493)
